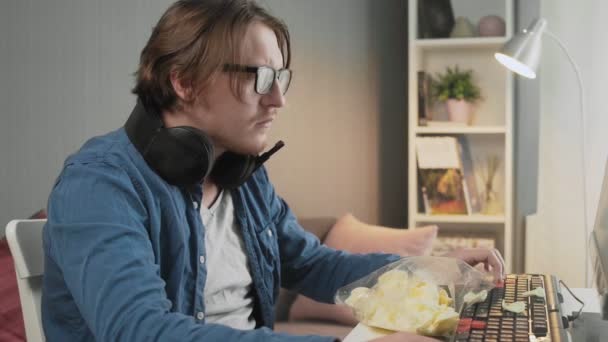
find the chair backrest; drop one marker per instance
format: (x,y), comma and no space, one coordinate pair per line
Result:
(25,242)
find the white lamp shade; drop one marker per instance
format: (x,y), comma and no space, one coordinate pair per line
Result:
(521,54)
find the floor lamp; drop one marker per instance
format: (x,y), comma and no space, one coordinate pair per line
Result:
(521,54)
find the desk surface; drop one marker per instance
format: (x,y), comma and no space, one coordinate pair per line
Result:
(589,296)
(364,333)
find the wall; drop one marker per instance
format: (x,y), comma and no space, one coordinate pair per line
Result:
(557,231)
(66,69)
(345,125)
(67,72)
(527,104)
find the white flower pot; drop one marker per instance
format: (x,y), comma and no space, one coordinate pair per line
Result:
(459,111)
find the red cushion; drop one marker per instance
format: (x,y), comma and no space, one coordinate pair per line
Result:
(11,318)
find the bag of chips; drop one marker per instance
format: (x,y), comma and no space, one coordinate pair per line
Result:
(421,294)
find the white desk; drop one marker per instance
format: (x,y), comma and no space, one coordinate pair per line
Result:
(364,333)
(589,296)
(589,327)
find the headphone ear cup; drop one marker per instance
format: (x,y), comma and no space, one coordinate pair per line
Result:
(232,169)
(181,155)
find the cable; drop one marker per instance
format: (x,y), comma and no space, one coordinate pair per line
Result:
(576,315)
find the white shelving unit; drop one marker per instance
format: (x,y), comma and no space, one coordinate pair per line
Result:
(492,130)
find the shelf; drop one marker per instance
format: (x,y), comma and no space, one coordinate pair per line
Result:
(460,43)
(490,136)
(460,130)
(460,218)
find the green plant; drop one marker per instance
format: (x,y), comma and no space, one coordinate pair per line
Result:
(456,84)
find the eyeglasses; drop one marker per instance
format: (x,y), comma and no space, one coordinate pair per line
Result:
(264,77)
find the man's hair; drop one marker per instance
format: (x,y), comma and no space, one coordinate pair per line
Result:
(195,39)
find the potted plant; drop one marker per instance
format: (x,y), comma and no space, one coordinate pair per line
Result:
(457,89)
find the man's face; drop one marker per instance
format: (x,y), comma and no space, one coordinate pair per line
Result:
(242,125)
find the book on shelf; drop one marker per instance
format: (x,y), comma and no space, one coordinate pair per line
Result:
(446,244)
(445,124)
(441,181)
(472,195)
(424,98)
(447,178)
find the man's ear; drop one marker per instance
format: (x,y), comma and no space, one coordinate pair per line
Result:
(182,91)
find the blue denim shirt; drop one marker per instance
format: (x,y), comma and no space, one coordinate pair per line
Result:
(124,253)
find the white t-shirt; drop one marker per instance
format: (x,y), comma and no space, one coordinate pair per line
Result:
(228,297)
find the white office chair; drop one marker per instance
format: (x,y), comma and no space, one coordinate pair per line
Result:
(25,242)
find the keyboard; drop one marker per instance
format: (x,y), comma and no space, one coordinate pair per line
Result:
(540,321)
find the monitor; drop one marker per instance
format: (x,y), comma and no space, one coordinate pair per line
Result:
(598,246)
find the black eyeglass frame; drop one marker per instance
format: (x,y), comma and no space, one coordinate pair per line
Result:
(256,70)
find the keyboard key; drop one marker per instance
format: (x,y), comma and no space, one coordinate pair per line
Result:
(493,326)
(462,336)
(463,330)
(469,312)
(540,315)
(539,330)
(481,312)
(465,321)
(478,325)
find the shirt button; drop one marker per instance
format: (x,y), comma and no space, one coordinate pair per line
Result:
(195,205)
(269,232)
(202,259)
(200,316)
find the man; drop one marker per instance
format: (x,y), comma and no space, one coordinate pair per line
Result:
(168,229)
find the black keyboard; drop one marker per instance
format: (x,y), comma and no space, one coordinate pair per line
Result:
(488,322)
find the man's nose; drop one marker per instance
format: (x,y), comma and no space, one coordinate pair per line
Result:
(275,97)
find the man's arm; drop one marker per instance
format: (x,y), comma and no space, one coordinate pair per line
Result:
(309,267)
(98,238)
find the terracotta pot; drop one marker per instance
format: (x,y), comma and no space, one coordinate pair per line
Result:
(459,111)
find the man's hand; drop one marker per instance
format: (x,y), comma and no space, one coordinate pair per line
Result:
(491,259)
(404,337)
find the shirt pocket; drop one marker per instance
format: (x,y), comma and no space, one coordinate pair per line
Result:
(267,239)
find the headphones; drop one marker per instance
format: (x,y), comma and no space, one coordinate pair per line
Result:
(183,155)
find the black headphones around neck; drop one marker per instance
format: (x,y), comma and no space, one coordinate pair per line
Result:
(183,155)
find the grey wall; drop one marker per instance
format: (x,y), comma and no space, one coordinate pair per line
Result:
(67,67)
(66,75)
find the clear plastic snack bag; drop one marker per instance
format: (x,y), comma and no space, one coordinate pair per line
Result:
(420,294)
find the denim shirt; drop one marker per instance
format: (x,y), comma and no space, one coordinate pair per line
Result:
(125,253)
